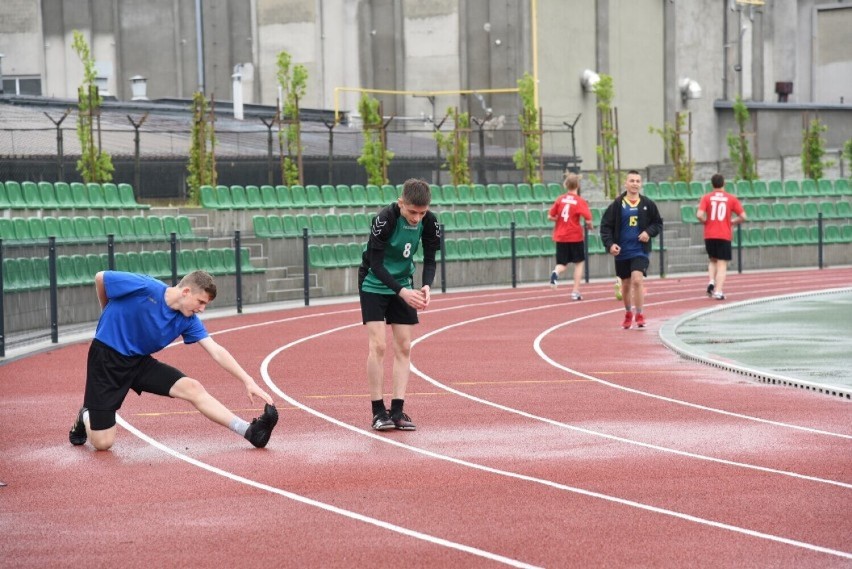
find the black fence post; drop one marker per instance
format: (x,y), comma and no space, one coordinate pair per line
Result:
(819,240)
(514,255)
(238,259)
(739,248)
(586,269)
(173,245)
(54,305)
(662,254)
(305,266)
(2,312)
(111,252)
(443,261)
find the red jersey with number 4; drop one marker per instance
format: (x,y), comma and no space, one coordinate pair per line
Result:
(568,209)
(718,205)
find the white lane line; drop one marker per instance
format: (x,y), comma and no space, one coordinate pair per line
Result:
(323,506)
(514,475)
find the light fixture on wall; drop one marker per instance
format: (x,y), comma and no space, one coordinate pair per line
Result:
(689,89)
(588,79)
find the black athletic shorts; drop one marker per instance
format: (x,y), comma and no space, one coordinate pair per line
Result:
(386,307)
(570,252)
(718,249)
(623,269)
(110,375)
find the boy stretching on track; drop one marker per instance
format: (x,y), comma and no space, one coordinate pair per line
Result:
(388,297)
(141,316)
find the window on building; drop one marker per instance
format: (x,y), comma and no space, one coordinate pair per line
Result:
(21,85)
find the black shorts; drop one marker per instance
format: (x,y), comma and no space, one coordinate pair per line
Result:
(570,252)
(718,249)
(389,308)
(110,375)
(625,268)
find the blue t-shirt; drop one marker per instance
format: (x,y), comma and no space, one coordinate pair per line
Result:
(628,238)
(137,322)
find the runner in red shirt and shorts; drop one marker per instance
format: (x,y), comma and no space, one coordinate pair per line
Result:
(715,211)
(568,234)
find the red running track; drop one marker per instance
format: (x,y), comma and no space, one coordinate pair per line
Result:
(548,436)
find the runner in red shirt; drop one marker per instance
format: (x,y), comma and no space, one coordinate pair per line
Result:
(715,211)
(568,234)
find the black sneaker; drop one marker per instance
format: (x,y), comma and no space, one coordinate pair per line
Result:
(77,434)
(260,429)
(553,278)
(710,288)
(403,422)
(382,422)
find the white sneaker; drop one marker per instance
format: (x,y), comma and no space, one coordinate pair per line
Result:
(719,295)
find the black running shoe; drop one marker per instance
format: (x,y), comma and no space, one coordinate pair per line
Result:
(710,288)
(77,434)
(382,422)
(403,422)
(260,429)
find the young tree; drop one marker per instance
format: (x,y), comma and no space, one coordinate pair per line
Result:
(375,157)
(202,159)
(94,164)
(454,145)
(738,146)
(528,158)
(608,148)
(672,135)
(813,150)
(293,81)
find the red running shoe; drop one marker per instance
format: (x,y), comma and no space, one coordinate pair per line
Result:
(628,321)
(640,320)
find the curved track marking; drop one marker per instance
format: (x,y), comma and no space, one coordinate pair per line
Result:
(517,476)
(323,506)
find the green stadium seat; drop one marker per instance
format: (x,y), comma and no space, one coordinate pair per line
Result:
(696,190)
(141,228)
(779,211)
(15,195)
(811,210)
(356,250)
(795,210)
(202,260)
(448,219)
(521,219)
(51,227)
(764,212)
(285,200)
(477,220)
(760,189)
(170,225)
(332,224)
(464,249)
(329,195)
(461,220)
(477,249)
(522,247)
(687,214)
(80,195)
(223,197)
(792,188)
(128,198)
(82,229)
(65,273)
(825,187)
(299,196)
(149,264)
(4,198)
(163,262)
(275,226)
(7,230)
(111,226)
(785,236)
(269,197)
(390,194)
(126,229)
(97,229)
(842,187)
(344,196)
(112,197)
(185,230)
(510,194)
(776,188)
(156,228)
(96,196)
(362,223)
(246,265)
(303,221)
(844,209)
(317,224)
(217,261)
(238,197)
(253,198)
(186,262)
(461,194)
(828,209)
(525,194)
(666,191)
(492,248)
(809,188)
(743,189)
(32,197)
(495,194)
(347,224)
(538,219)
(11,276)
(479,195)
(374,196)
(314,196)
(209,197)
(681,190)
(37,230)
(359,195)
(801,236)
(22,230)
(771,237)
(505,218)
(832,234)
(651,190)
(492,219)
(449,196)
(846,234)
(554,190)
(47,195)
(289,226)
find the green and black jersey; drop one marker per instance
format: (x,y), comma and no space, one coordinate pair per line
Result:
(387,264)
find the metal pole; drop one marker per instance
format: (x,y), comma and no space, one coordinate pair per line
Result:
(819,239)
(238,259)
(173,244)
(111,252)
(54,305)
(739,249)
(199,44)
(514,255)
(443,261)
(662,255)
(305,273)
(586,253)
